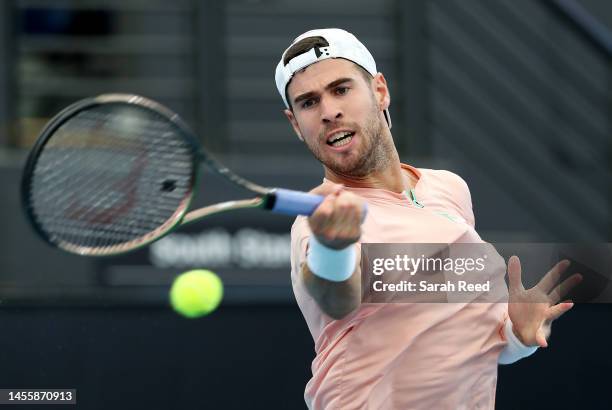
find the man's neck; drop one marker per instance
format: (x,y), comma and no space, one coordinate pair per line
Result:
(393,178)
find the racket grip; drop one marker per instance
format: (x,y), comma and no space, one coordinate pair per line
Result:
(290,202)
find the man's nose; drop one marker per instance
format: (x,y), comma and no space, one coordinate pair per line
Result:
(330,111)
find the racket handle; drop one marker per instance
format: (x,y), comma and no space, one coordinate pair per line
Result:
(290,202)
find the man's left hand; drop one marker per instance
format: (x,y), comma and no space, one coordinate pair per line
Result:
(532,311)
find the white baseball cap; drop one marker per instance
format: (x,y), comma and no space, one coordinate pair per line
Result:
(342,44)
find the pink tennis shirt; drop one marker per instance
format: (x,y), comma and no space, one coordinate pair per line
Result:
(405,355)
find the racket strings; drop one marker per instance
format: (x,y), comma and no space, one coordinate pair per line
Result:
(93,220)
(111,175)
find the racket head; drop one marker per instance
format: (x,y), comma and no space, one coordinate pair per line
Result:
(109,175)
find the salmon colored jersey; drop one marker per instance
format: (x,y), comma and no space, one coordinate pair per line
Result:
(410,355)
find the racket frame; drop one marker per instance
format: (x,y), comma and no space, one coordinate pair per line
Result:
(179,217)
(274,199)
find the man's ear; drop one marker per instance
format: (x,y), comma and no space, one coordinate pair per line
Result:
(294,124)
(381,91)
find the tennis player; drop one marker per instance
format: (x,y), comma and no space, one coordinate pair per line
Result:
(389,356)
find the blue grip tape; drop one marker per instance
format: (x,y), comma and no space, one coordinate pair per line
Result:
(290,202)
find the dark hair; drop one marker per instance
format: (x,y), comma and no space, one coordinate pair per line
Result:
(303,46)
(306,44)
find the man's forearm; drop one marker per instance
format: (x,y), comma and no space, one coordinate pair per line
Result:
(336,299)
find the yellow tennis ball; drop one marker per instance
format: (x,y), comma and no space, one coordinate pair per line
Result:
(196,293)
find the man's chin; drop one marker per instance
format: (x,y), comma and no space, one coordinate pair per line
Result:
(352,169)
(353,163)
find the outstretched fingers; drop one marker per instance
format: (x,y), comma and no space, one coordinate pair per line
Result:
(555,312)
(514,274)
(564,287)
(552,276)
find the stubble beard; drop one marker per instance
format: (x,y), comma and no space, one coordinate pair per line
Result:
(374,153)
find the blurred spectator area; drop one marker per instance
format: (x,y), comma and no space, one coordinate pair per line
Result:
(513,95)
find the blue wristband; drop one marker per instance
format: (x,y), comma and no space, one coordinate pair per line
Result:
(331,264)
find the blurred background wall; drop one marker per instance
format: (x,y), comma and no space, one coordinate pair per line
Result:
(513,95)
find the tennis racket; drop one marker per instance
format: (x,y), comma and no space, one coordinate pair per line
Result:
(113,173)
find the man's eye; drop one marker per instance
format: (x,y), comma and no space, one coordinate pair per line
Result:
(308,103)
(342,90)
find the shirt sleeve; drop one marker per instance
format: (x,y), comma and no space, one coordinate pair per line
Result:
(299,244)
(460,195)
(466,201)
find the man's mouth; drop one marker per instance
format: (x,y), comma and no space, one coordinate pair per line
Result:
(340,138)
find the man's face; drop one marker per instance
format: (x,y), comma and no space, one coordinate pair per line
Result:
(337,114)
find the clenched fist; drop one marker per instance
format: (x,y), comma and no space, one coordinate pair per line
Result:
(337,220)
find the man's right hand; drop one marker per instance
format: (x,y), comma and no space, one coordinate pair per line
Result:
(337,220)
